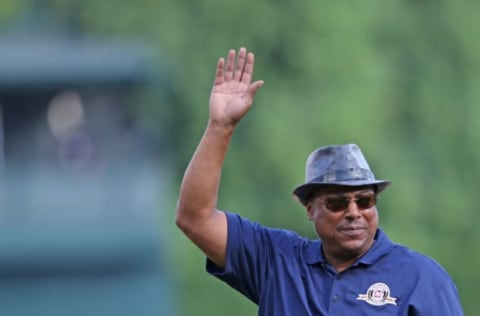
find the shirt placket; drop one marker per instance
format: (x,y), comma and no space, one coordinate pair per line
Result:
(337,297)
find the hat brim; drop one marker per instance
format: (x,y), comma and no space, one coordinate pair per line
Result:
(304,192)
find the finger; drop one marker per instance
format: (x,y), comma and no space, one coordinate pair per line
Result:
(255,86)
(230,63)
(240,64)
(219,73)
(248,71)
(252,90)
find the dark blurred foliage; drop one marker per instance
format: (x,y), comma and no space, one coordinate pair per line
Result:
(401,79)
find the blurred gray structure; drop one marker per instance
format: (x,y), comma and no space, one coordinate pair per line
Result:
(79,230)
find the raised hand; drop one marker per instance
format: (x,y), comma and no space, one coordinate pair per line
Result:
(233,91)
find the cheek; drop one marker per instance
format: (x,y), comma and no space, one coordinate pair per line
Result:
(372,216)
(324,223)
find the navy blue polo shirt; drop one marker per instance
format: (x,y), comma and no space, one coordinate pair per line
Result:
(286,274)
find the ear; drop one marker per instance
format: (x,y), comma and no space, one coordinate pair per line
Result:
(310,210)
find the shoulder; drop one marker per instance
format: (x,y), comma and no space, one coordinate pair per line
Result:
(409,256)
(418,264)
(420,278)
(399,260)
(402,257)
(283,239)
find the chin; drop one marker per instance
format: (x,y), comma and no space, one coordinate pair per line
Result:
(355,247)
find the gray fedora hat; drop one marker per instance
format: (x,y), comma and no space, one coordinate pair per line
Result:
(337,165)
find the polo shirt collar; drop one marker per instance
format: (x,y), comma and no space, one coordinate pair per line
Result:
(313,253)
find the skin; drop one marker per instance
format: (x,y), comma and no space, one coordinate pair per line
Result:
(231,98)
(346,235)
(197,215)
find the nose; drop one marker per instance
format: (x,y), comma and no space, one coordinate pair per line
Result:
(352,210)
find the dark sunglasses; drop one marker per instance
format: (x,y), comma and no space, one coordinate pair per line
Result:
(336,204)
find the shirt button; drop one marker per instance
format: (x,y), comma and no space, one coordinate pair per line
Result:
(336,298)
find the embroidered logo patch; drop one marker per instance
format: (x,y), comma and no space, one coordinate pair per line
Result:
(378,294)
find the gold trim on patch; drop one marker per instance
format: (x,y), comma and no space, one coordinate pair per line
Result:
(378,294)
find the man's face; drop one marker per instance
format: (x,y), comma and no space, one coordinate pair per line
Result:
(345,219)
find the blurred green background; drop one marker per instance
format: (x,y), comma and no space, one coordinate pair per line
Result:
(401,79)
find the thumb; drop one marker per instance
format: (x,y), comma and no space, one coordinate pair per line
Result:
(252,89)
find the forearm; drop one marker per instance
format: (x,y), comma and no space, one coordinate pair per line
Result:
(199,189)
(231,98)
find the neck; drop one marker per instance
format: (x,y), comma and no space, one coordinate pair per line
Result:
(340,265)
(343,260)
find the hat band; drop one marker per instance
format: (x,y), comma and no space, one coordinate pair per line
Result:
(344,175)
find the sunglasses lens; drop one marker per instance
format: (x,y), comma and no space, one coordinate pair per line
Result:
(337,204)
(341,203)
(365,202)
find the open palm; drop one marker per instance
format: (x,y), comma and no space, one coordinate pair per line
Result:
(232,93)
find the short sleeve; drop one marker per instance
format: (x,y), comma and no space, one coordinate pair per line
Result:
(442,301)
(251,251)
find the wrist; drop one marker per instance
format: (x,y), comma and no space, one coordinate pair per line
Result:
(221,126)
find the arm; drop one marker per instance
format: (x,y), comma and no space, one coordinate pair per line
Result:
(231,98)
(442,300)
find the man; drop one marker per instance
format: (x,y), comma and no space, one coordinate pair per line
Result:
(353,269)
